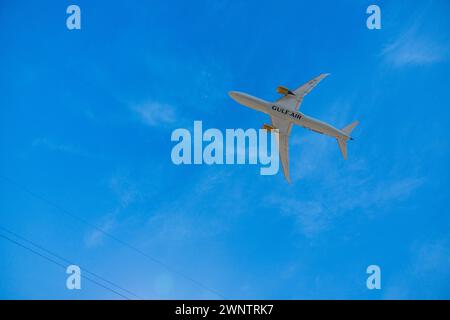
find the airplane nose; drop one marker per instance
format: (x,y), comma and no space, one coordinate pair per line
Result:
(233,94)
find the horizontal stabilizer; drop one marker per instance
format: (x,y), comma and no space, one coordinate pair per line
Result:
(348,129)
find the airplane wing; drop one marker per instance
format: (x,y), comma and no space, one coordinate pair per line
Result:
(294,101)
(284,155)
(283,125)
(284,128)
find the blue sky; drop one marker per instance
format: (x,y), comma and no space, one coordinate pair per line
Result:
(86,119)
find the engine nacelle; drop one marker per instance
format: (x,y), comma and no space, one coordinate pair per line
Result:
(267,127)
(284,91)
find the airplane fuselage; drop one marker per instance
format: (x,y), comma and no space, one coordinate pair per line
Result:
(280,111)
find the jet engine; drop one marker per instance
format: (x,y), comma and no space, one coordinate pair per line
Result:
(267,127)
(284,91)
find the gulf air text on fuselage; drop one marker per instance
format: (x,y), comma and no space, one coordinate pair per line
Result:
(293,114)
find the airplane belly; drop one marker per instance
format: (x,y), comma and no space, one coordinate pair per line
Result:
(260,106)
(250,101)
(256,104)
(318,126)
(307,122)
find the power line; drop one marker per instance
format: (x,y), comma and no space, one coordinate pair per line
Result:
(111,236)
(68,261)
(61,265)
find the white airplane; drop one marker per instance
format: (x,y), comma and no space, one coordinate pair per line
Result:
(285,112)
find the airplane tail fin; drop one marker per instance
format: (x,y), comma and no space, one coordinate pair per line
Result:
(348,129)
(343,146)
(343,141)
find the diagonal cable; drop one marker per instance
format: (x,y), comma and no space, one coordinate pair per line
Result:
(61,265)
(111,236)
(59,257)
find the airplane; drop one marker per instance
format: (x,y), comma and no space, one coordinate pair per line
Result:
(285,112)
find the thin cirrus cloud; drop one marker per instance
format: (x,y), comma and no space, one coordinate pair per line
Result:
(155,114)
(126,193)
(60,147)
(313,216)
(429,266)
(96,237)
(414,48)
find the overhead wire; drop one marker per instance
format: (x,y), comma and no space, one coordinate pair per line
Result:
(68,262)
(61,265)
(111,236)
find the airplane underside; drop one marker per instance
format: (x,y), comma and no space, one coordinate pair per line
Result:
(285,112)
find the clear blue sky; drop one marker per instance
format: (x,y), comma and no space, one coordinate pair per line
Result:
(86,118)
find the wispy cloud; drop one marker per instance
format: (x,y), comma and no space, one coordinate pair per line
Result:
(412,51)
(382,193)
(126,194)
(185,217)
(339,187)
(95,237)
(60,147)
(429,266)
(155,114)
(313,216)
(415,47)
(432,258)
